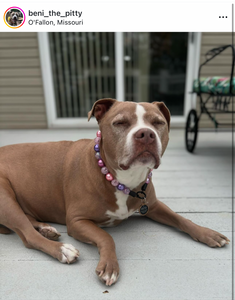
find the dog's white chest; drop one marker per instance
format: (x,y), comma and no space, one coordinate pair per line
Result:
(122,212)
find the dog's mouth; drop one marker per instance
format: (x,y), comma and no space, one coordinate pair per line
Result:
(144,158)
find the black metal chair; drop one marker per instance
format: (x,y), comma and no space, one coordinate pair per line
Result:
(215,102)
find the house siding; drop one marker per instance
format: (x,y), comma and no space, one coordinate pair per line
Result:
(219,66)
(22,103)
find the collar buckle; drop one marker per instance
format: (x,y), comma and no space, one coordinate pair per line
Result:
(141,195)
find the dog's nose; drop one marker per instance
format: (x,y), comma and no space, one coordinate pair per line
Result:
(145,136)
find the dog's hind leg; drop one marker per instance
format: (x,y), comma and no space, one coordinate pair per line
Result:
(13,217)
(46,230)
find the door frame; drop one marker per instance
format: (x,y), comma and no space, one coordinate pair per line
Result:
(193,60)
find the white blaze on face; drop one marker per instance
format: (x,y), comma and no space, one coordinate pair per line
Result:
(140,124)
(136,173)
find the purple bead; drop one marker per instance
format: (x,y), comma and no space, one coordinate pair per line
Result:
(97,148)
(104,170)
(147,180)
(121,187)
(97,155)
(150,175)
(100,163)
(114,182)
(97,140)
(126,191)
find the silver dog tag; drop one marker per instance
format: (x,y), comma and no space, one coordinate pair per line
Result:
(143,210)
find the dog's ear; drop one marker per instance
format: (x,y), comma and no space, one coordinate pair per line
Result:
(100,107)
(165,111)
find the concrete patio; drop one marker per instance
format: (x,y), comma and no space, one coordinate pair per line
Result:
(157,262)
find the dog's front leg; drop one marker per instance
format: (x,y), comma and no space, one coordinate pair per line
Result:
(163,214)
(88,232)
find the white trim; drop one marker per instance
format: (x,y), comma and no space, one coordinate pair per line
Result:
(178,122)
(119,66)
(74,123)
(198,45)
(47,77)
(193,62)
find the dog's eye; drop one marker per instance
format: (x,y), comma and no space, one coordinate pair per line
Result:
(158,123)
(121,123)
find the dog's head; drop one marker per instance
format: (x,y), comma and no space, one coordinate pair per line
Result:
(14,16)
(133,134)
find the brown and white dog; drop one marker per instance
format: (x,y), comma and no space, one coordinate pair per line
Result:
(61,182)
(14,19)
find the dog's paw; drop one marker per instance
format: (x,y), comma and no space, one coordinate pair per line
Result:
(49,232)
(212,238)
(108,271)
(69,254)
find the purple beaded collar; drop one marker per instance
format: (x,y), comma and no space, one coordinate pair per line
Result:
(121,187)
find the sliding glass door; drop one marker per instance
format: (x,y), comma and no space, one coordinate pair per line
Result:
(155,68)
(83,67)
(84,70)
